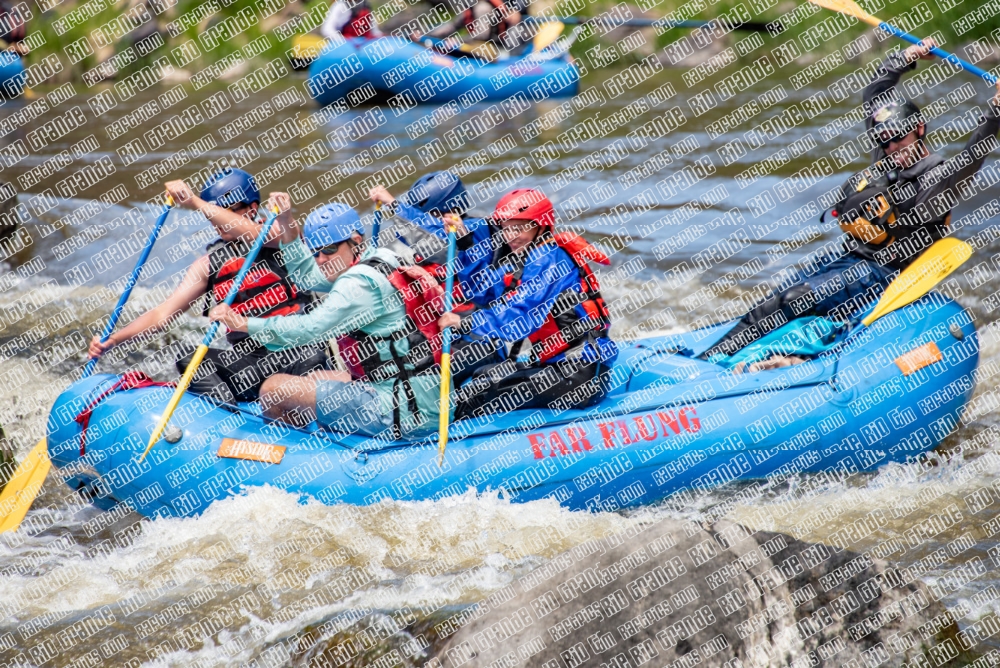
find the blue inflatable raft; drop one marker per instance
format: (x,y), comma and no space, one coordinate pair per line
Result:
(11,75)
(394,66)
(672,423)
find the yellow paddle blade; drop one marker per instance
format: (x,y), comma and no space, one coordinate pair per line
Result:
(445,406)
(933,265)
(182,386)
(547,34)
(848,7)
(307,47)
(484,51)
(23,487)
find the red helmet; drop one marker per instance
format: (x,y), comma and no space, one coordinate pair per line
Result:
(525,204)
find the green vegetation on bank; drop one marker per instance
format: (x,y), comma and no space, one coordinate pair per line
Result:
(106,39)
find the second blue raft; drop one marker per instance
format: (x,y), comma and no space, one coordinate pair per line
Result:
(11,75)
(394,66)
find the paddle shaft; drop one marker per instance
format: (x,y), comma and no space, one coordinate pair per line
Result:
(940,53)
(133,279)
(376,224)
(449,285)
(641,23)
(202,350)
(663,24)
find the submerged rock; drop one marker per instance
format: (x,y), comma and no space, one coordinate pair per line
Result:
(683,595)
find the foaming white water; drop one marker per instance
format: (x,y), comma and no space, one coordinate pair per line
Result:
(457,550)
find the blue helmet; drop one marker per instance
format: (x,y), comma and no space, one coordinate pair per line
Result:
(438,192)
(331,224)
(229,187)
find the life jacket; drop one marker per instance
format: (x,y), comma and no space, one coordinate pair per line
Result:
(498,29)
(362,22)
(13,27)
(867,209)
(875,208)
(431,253)
(266,290)
(564,327)
(422,300)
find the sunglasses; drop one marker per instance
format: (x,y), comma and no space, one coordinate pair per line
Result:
(326,250)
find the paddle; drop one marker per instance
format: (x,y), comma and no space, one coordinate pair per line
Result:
(547,34)
(851,8)
(449,285)
(110,327)
(23,487)
(664,23)
(933,265)
(376,224)
(202,350)
(446,46)
(484,51)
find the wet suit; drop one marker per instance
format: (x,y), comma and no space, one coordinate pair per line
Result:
(842,283)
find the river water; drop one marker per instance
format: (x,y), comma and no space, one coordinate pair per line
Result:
(234,585)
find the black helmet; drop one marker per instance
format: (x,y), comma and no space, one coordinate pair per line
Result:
(894,121)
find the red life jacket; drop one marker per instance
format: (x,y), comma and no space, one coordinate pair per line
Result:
(362,22)
(564,328)
(422,299)
(266,290)
(498,30)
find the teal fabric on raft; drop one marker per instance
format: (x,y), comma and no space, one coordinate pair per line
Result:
(805,337)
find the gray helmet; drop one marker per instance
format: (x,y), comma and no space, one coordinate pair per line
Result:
(894,121)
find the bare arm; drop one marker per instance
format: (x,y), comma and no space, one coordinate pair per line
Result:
(231,226)
(192,286)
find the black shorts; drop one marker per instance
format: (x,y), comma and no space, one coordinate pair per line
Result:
(509,386)
(237,374)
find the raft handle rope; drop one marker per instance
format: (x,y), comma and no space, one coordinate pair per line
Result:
(130,380)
